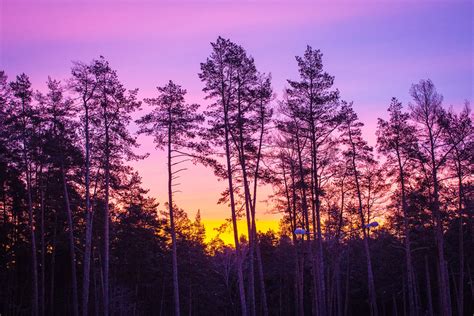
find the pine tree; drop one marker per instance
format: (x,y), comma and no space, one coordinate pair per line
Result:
(458,133)
(358,154)
(173,125)
(219,73)
(427,112)
(395,140)
(316,106)
(115,105)
(22,128)
(57,112)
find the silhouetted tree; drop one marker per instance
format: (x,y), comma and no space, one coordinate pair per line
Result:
(458,134)
(21,121)
(115,105)
(60,135)
(395,140)
(173,124)
(426,112)
(219,74)
(358,154)
(316,107)
(84,85)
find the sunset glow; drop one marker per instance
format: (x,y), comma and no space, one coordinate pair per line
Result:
(224,157)
(149,43)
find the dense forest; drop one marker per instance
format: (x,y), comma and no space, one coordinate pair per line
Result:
(364,231)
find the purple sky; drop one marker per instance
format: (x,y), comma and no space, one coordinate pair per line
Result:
(375,50)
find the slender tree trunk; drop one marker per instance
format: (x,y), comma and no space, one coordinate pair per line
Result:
(72,251)
(254,224)
(291,202)
(31,224)
(317,232)
(52,271)
(106,218)
(370,275)
(443,272)
(445,299)
(471,281)
(339,306)
(240,275)
(306,221)
(301,276)
(43,246)
(337,272)
(88,237)
(346,299)
(410,272)
(98,284)
(428,287)
(249,216)
(173,230)
(460,300)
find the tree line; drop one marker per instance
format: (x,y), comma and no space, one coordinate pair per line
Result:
(384,231)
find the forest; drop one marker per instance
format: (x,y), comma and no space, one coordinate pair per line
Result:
(384,230)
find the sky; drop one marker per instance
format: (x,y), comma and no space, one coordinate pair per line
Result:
(375,50)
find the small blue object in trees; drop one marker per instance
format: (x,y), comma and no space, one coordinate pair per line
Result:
(373,224)
(300,231)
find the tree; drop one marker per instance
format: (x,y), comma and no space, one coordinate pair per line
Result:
(115,105)
(105,110)
(22,119)
(60,135)
(263,95)
(294,135)
(219,73)
(316,107)
(395,140)
(84,85)
(426,112)
(458,133)
(358,154)
(173,124)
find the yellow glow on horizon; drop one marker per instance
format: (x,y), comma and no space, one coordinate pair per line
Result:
(228,236)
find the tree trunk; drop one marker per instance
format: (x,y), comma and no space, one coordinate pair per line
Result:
(346,299)
(72,251)
(428,287)
(370,275)
(43,246)
(88,237)
(317,232)
(306,222)
(52,271)
(445,299)
(254,224)
(292,214)
(240,275)
(106,218)
(460,300)
(250,217)
(409,265)
(173,231)
(31,224)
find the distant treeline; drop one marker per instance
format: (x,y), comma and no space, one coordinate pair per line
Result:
(364,232)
